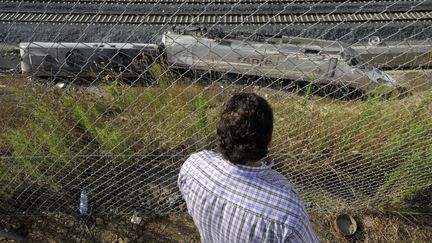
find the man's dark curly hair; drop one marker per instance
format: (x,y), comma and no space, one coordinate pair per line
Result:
(245,128)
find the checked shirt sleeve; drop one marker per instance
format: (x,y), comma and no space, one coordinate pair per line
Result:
(303,232)
(181,180)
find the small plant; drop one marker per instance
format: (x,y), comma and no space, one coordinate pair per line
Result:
(201,107)
(368,115)
(110,140)
(113,88)
(412,142)
(161,74)
(405,181)
(307,93)
(40,144)
(24,153)
(412,130)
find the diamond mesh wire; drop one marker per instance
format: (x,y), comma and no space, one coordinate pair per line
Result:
(115,108)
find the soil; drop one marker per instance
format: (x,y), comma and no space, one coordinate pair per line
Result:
(58,227)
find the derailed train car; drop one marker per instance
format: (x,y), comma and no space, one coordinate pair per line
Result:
(388,55)
(47,59)
(325,64)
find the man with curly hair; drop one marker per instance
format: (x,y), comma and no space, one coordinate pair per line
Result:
(233,195)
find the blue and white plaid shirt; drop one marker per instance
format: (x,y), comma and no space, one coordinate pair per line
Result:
(235,203)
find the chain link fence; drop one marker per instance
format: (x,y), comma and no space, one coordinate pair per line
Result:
(115,95)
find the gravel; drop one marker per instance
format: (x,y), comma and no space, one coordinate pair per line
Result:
(219,8)
(13,33)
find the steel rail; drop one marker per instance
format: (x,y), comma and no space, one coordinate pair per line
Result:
(199,1)
(232,19)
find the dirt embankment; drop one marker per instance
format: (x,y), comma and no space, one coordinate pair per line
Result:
(57,227)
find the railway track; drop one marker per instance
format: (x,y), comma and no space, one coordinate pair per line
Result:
(201,2)
(228,19)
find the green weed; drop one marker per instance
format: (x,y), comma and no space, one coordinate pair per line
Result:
(110,140)
(384,139)
(161,74)
(40,144)
(413,146)
(368,114)
(201,111)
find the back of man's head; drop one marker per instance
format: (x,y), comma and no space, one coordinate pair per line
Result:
(245,128)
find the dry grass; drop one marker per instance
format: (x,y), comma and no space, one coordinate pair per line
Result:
(376,227)
(338,153)
(414,80)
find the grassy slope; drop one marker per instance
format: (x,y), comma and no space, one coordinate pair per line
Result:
(338,153)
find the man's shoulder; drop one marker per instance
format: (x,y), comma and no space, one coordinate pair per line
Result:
(203,154)
(277,180)
(198,159)
(282,194)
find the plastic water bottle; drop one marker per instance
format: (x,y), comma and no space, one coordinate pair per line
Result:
(84,204)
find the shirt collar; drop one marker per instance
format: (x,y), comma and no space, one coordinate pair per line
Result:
(243,169)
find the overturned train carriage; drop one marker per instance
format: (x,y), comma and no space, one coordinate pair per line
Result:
(325,64)
(46,59)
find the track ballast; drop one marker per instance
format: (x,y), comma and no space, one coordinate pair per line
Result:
(201,2)
(228,19)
